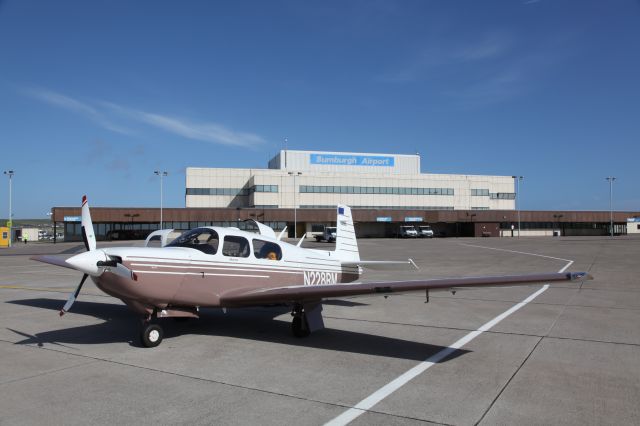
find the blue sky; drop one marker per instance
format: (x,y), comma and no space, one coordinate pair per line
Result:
(95,96)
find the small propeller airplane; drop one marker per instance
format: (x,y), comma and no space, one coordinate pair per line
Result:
(229,268)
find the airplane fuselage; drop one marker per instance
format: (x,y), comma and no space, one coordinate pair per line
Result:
(186,277)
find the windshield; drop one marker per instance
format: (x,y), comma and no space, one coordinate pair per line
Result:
(203,239)
(331,229)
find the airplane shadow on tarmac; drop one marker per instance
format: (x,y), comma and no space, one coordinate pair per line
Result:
(121,325)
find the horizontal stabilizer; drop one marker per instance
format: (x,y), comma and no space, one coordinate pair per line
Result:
(382,264)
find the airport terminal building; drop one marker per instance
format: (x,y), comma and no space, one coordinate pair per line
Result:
(300,190)
(312,180)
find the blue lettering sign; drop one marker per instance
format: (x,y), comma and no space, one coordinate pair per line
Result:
(383,219)
(72,218)
(351,160)
(413,219)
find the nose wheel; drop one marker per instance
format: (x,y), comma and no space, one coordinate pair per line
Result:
(151,335)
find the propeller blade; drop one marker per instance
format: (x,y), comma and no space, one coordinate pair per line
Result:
(88,234)
(72,297)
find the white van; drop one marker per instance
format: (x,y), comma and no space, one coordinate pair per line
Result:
(425,231)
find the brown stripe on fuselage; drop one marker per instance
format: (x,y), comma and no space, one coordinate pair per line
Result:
(184,283)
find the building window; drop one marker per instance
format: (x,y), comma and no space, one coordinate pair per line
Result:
(264,188)
(479,192)
(502,196)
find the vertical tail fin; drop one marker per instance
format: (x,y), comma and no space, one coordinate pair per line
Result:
(346,244)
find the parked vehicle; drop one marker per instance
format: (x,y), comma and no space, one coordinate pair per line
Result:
(408,231)
(425,231)
(328,235)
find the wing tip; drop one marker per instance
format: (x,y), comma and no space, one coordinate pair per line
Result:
(579,276)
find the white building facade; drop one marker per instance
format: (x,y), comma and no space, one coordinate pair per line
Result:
(316,179)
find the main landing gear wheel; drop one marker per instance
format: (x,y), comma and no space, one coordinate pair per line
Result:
(151,335)
(299,326)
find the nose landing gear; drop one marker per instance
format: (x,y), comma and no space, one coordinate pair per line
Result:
(151,335)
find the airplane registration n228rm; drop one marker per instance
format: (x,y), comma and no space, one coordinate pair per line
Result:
(229,268)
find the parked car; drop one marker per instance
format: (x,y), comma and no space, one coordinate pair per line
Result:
(127,234)
(425,231)
(328,235)
(408,231)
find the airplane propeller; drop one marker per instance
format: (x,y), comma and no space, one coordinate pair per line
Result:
(93,262)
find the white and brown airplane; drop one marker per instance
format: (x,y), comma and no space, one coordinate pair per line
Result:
(227,267)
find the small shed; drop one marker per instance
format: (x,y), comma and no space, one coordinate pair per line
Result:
(4,236)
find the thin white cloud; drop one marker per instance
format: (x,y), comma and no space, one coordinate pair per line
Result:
(106,114)
(491,46)
(514,78)
(449,53)
(206,132)
(75,106)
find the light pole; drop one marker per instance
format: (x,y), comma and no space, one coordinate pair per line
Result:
(611,179)
(10,173)
(557,218)
(518,180)
(161,174)
(295,205)
(131,216)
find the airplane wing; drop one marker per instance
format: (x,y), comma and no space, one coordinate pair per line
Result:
(308,293)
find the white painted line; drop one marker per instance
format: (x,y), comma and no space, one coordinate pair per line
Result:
(518,252)
(566,266)
(368,403)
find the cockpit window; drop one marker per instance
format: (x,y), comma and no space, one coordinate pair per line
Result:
(266,250)
(203,239)
(235,246)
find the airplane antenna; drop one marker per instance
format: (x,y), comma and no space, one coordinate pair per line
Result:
(282,233)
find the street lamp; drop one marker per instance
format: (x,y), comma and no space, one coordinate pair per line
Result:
(611,179)
(472,215)
(518,180)
(132,216)
(557,218)
(295,205)
(10,173)
(161,174)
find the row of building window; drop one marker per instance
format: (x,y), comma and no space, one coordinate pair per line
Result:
(374,190)
(314,189)
(502,196)
(218,191)
(327,206)
(232,191)
(557,225)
